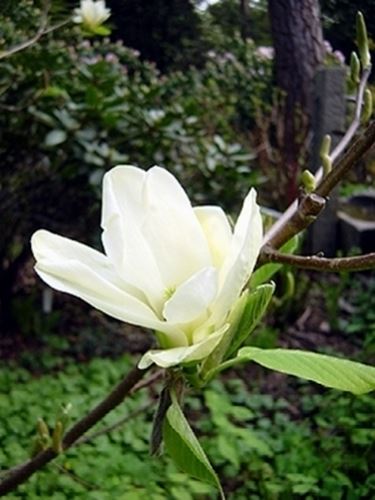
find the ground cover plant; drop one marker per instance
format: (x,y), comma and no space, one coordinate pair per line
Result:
(269,444)
(202,283)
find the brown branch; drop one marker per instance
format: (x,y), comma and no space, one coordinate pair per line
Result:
(40,32)
(312,204)
(334,155)
(314,262)
(148,381)
(353,155)
(21,473)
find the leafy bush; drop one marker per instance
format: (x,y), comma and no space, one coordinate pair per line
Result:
(71,108)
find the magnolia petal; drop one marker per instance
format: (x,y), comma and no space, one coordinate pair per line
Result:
(172,357)
(124,243)
(122,192)
(245,247)
(74,268)
(171,228)
(193,297)
(216,227)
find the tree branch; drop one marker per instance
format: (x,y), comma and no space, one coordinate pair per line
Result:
(105,430)
(21,473)
(313,203)
(353,155)
(42,30)
(337,151)
(314,262)
(32,40)
(109,428)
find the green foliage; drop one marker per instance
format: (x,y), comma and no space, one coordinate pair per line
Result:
(225,19)
(360,323)
(349,304)
(262,447)
(329,371)
(113,466)
(182,444)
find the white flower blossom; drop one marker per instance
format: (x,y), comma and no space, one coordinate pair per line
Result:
(91,13)
(167,266)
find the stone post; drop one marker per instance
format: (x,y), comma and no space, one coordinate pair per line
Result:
(328,117)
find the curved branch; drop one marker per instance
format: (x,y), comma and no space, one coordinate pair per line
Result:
(40,32)
(304,216)
(314,262)
(21,473)
(278,226)
(355,153)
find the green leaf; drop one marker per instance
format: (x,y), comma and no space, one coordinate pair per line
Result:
(184,448)
(244,317)
(265,272)
(101,30)
(55,137)
(53,91)
(329,371)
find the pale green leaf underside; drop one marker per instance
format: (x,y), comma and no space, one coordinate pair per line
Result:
(184,448)
(256,305)
(329,371)
(245,316)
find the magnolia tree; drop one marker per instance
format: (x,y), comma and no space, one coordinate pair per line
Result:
(199,282)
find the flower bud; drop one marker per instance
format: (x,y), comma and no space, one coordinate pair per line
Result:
(91,14)
(43,433)
(355,68)
(57,437)
(362,41)
(308,181)
(324,154)
(367,106)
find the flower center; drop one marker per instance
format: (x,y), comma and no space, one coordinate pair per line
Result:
(169,291)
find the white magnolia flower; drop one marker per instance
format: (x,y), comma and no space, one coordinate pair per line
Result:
(167,266)
(91,13)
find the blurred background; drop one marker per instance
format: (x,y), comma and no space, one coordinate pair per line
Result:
(225,94)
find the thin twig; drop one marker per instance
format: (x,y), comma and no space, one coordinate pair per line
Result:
(19,474)
(32,40)
(42,30)
(313,203)
(77,479)
(355,153)
(109,428)
(314,262)
(148,381)
(337,151)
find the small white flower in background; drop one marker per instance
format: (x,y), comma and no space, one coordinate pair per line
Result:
(91,13)
(167,266)
(265,52)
